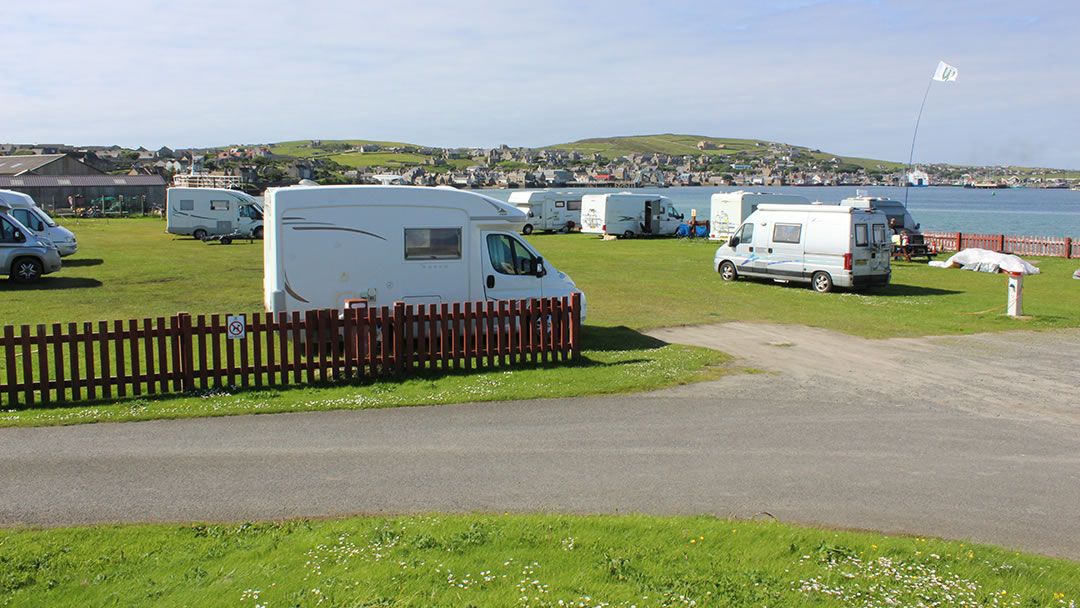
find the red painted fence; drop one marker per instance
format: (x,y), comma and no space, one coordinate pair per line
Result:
(184,353)
(1062,247)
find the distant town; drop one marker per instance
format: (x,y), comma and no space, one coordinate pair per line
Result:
(81,174)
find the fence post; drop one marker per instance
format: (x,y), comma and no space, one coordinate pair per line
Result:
(185,339)
(9,362)
(575,325)
(399,336)
(1001,243)
(959,241)
(1068,248)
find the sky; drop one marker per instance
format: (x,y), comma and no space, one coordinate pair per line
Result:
(846,77)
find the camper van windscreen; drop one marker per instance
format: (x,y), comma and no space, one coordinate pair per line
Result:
(433,243)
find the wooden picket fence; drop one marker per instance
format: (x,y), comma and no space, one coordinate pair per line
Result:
(1057,247)
(184,353)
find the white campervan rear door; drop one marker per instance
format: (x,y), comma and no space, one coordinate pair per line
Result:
(508,267)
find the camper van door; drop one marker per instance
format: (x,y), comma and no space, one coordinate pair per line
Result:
(510,268)
(785,251)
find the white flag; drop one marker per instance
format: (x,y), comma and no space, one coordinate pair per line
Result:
(945,72)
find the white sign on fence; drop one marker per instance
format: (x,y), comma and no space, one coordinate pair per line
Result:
(237,327)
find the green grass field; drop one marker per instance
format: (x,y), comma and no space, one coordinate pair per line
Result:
(515,560)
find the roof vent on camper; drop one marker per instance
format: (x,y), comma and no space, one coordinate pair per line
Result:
(308,182)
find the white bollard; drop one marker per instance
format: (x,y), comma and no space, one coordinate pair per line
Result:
(1016,294)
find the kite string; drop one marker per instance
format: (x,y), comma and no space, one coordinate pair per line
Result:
(911,155)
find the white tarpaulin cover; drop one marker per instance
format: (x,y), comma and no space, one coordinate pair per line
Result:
(982,260)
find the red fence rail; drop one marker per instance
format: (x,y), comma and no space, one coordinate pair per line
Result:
(184,353)
(1057,247)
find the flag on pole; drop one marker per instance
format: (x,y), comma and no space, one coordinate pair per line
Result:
(945,72)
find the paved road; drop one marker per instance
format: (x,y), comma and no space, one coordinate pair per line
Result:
(818,444)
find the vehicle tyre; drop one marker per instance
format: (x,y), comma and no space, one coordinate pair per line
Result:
(628,234)
(226,240)
(199,234)
(258,233)
(26,270)
(727,271)
(821,282)
(526,229)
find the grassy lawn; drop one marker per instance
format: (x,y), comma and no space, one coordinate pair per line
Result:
(515,560)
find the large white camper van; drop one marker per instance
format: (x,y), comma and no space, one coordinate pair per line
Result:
(203,212)
(326,245)
(26,211)
(626,214)
(824,245)
(907,241)
(728,210)
(548,210)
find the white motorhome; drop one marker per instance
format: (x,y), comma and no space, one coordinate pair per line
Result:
(728,210)
(203,212)
(26,211)
(824,245)
(24,256)
(906,238)
(548,210)
(326,245)
(627,214)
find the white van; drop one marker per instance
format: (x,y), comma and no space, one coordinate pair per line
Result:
(627,214)
(824,245)
(203,212)
(24,209)
(906,238)
(24,256)
(376,245)
(728,210)
(548,210)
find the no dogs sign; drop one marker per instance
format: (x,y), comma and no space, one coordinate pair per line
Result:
(237,327)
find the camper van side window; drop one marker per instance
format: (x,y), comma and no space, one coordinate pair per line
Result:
(7,231)
(573,205)
(433,243)
(219,205)
(560,204)
(879,234)
(787,233)
(508,255)
(861,235)
(187,205)
(746,233)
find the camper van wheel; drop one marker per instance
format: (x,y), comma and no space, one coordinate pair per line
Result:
(199,234)
(629,234)
(226,240)
(26,270)
(526,229)
(822,282)
(258,233)
(728,272)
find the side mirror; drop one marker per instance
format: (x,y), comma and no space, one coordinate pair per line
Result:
(733,241)
(18,237)
(538,267)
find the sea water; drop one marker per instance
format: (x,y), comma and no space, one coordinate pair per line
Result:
(1014,211)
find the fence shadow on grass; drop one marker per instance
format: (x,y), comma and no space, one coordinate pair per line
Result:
(82,262)
(50,283)
(616,338)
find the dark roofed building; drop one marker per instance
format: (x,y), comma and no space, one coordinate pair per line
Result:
(44,164)
(52,191)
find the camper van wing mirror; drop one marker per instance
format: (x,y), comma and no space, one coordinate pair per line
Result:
(734,242)
(18,236)
(538,267)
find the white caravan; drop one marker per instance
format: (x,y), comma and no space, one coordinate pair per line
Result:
(26,211)
(627,214)
(728,210)
(824,245)
(203,212)
(548,210)
(376,245)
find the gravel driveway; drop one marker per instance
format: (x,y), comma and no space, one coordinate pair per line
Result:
(972,438)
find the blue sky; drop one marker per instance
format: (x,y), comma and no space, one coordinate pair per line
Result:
(843,76)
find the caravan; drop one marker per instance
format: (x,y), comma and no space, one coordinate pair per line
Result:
(203,212)
(333,246)
(548,210)
(26,211)
(625,214)
(826,246)
(728,210)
